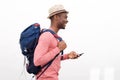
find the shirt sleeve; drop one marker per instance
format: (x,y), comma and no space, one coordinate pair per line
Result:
(64,57)
(42,54)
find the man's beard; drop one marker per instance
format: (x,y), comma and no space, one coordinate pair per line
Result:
(61,26)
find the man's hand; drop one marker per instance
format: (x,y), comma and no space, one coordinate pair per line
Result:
(62,45)
(73,55)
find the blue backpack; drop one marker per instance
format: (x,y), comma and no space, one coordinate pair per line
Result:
(28,42)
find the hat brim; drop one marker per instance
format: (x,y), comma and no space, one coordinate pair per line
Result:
(57,12)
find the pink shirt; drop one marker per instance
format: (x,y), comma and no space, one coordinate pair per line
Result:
(44,52)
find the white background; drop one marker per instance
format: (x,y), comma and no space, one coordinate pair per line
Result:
(93,28)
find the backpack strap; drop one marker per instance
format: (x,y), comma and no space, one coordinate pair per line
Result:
(56,36)
(52,32)
(47,65)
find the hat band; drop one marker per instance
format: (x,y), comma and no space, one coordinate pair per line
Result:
(57,12)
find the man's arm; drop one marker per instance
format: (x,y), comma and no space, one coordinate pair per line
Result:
(42,53)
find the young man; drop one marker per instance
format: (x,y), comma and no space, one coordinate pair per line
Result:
(48,46)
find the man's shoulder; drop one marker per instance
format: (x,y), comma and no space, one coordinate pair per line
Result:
(47,35)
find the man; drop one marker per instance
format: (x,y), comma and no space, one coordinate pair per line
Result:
(48,46)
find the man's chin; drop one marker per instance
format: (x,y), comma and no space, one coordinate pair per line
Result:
(63,28)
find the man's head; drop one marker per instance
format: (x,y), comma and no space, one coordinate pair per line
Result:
(58,16)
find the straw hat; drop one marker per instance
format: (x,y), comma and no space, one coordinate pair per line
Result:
(56,9)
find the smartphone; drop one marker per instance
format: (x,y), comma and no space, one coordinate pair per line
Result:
(80,54)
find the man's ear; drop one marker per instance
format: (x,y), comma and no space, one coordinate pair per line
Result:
(56,17)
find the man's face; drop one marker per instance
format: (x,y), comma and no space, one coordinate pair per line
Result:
(62,20)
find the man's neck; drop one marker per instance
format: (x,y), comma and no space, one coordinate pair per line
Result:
(54,28)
